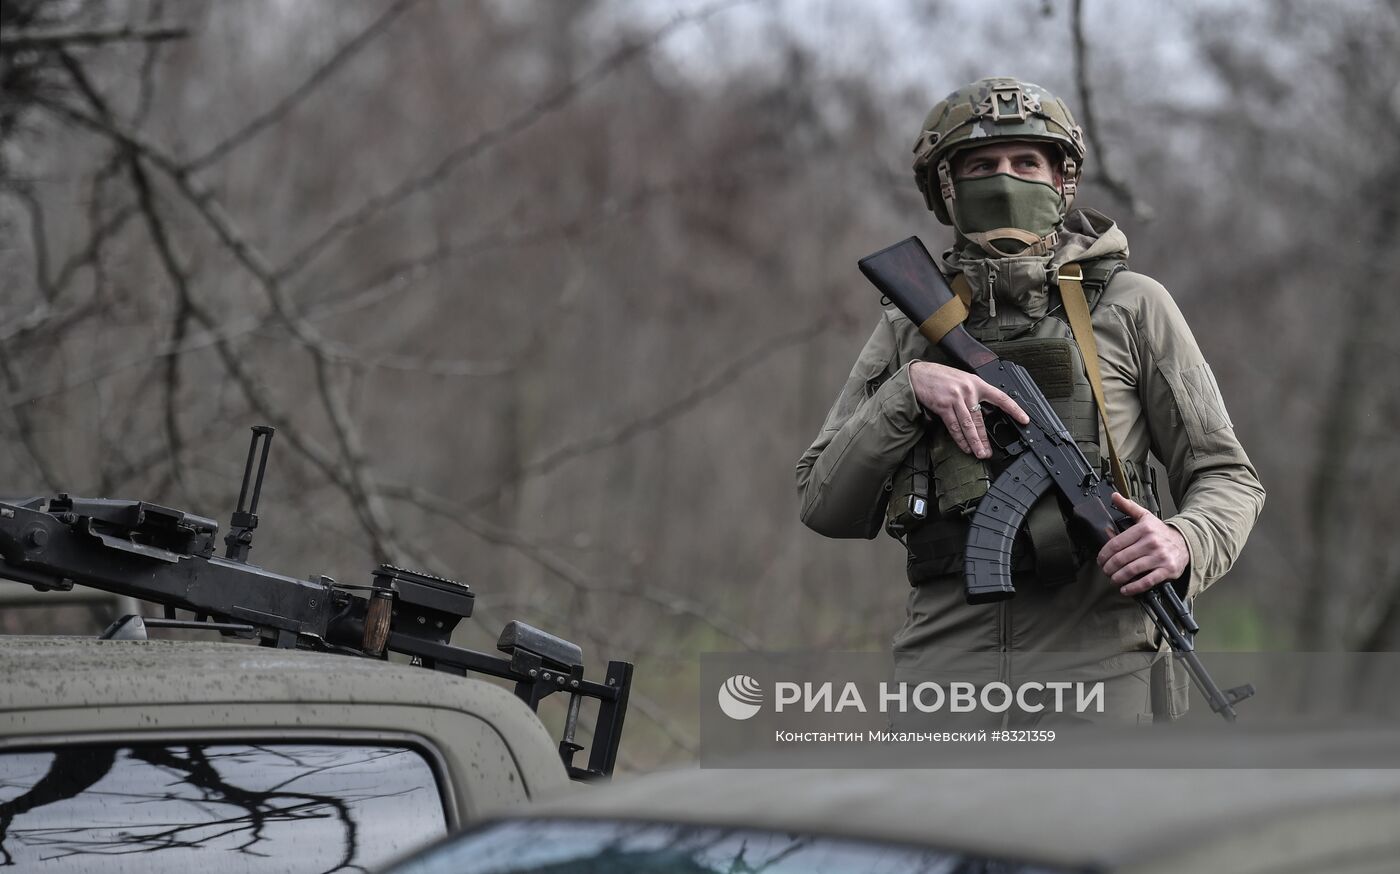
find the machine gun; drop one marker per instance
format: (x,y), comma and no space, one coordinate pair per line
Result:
(1043,456)
(167,556)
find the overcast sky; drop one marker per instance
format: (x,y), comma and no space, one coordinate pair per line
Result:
(932,44)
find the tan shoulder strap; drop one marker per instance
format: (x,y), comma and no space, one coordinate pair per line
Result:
(1071,280)
(962,289)
(951,314)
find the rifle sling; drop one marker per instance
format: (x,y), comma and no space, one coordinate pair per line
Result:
(1071,282)
(950,314)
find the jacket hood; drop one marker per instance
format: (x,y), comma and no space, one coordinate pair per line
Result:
(1088,234)
(1022,282)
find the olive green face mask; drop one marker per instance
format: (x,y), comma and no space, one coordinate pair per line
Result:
(986,207)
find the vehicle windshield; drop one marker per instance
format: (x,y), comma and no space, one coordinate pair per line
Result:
(215,807)
(622,847)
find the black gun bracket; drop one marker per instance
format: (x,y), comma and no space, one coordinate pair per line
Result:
(165,556)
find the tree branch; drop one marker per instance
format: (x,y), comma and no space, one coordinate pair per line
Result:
(354,481)
(24,424)
(67,38)
(657,418)
(561,569)
(38,233)
(145,77)
(89,253)
(289,102)
(485,141)
(1105,176)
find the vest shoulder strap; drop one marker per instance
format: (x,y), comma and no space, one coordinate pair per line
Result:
(1097,274)
(1072,280)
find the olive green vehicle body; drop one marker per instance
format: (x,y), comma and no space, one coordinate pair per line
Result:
(1159,821)
(488,750)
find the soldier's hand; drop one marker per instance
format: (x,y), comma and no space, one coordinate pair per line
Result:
(1148,553)
(953,395)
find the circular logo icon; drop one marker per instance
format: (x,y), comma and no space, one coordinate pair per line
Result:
(740,697)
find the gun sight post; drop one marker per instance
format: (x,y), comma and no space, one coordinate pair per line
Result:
(240,528)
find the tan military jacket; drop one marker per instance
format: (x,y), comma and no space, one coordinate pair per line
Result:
(1161,398)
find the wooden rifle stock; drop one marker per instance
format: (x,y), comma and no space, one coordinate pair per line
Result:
(907,275)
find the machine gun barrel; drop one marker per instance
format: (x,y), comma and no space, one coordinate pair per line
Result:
(166,556)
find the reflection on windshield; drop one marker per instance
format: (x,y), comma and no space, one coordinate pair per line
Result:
(596,847)
(242,807)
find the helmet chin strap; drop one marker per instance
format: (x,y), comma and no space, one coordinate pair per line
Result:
(1034,245)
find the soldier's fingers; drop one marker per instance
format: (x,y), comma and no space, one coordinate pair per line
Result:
(1137,511)
(1003,400)
(1134,569)
(977,439)
(950,421)
(1126,556)
(1151,580)
(980,425)
(1120,542)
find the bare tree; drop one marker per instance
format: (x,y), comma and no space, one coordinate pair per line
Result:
(549,302)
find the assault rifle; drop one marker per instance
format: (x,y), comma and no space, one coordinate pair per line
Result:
(1043,456)
(159,554)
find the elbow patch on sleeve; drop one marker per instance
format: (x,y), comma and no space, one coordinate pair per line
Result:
(1201,408)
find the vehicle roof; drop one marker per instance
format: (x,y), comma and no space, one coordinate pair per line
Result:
(86,685)
(1094,820)
(49,672)
(60,690)
(64,689)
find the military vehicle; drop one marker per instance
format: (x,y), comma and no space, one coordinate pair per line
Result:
(312,752)
(964,821)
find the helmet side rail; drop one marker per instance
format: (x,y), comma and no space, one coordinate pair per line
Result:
(166,556)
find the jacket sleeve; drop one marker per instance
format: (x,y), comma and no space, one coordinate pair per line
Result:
(874,423)
(1216,489)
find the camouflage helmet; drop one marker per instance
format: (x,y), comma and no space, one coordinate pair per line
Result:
(993,109)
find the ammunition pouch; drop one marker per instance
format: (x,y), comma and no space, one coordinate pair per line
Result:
(1043,548)
(960,480)
(935,551)
(911,488)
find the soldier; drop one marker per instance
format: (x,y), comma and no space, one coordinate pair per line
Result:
(905,446)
